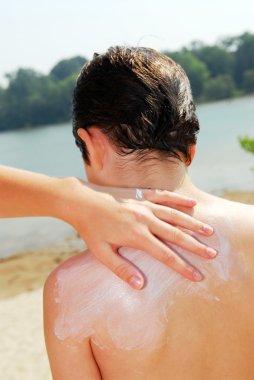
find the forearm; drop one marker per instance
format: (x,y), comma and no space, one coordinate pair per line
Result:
(24,193)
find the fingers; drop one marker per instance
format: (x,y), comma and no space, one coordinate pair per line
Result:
(181,239)
(118,265)
(167,256)
(168,198)
(181,219)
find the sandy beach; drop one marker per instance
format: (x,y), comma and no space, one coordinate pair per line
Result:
(22,350)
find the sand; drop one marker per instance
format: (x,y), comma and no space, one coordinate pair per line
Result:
(240,196)
(22,351)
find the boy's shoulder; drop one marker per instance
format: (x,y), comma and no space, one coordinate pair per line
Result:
(66,335)
(239,216)
(236,211)
(69,288)
(60,275)
(78,260)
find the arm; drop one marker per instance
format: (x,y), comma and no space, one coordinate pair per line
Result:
(106,223)
(28,194)
(67,361)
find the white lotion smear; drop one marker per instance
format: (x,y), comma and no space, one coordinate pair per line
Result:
(92,302)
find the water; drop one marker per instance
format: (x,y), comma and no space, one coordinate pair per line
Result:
(220,164)
(49,150)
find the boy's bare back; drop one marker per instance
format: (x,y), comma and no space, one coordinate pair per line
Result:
(98,328)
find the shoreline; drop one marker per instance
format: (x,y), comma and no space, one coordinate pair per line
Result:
(27,271)
(246,197)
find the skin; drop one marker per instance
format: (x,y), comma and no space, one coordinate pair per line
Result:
(88,208)
(204,337)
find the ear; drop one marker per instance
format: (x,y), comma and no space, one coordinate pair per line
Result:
(94,141)
(192,151)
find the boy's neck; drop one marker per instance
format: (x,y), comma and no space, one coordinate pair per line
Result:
(162,175)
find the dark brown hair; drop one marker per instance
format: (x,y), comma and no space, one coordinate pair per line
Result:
(140,99)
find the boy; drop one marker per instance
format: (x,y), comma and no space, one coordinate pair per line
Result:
(135,123)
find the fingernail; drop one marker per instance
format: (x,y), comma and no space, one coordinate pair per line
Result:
(136,282)
(192,201)
(207,229)
(197,275)
(211,252)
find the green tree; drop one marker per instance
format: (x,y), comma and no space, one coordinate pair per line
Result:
(248,81)
(61,98)
(16,103)
(220,87)
(217,59)
(33,99)
(244,56)
(67,67)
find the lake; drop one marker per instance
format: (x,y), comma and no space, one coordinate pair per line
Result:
(220,164)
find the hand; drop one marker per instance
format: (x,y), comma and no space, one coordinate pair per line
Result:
(106,224)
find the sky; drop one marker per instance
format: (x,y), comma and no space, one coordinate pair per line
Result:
(37,34)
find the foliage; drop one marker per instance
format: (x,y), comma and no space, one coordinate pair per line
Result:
(217,59)
(219,87)
(33,99)
(244,56)
(247,143)
(218,71)
(67,67)
(248,81)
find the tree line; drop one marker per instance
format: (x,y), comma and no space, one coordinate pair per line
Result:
(219,71)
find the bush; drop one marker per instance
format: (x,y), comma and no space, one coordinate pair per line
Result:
(247,143)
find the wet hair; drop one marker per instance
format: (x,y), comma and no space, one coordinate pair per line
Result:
(140,99)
